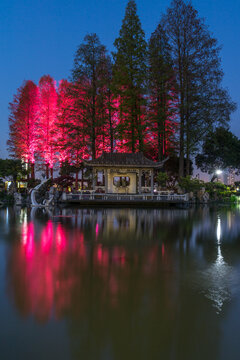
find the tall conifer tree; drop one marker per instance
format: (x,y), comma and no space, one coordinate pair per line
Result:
(196,60)
(129,77)
(47,122)
(89,64)
(64,112)
(109,105)
(162,93)
(77,143)
(23,124)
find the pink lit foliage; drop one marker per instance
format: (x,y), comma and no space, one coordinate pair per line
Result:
(57,126)
(76,141)
(131,123)
(64,108)
(23,123)
(106,140)
(47,125)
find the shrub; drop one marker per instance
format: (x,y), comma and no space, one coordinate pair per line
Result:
(190,185)
(162,179)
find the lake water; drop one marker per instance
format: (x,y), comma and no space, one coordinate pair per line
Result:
(119,284)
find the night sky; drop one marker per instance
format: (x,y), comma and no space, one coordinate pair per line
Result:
(40,37)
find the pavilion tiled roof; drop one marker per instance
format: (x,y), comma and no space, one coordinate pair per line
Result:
(124,159)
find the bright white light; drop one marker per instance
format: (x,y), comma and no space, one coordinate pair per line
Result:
(218,172)
(219,230)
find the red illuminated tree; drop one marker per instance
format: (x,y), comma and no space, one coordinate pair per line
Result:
(110,105)
(47,124)
(23,124)
(64,110)
(108,111)
(77,140)
(88,73)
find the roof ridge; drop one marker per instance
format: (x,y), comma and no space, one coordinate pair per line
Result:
(124,159)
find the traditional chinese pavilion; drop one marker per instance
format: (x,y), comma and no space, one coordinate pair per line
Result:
(123,173)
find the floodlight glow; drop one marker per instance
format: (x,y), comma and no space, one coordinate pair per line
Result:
(218,172)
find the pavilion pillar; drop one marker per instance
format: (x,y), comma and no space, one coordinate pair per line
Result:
(106,180)
(152,181)
(140,181)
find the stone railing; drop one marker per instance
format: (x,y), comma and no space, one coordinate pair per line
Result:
(125,197)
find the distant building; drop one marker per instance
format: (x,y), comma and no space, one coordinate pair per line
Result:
(229,177)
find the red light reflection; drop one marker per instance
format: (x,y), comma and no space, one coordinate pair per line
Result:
(53,267)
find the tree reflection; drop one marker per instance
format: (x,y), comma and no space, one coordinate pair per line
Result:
(128,282)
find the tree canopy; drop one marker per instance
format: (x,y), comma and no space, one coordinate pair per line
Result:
(129,78)
(12,168)
(220,150)
(162,97)
(203,102)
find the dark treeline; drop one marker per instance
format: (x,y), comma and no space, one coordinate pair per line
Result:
(161,97)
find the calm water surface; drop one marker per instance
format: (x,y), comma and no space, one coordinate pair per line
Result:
(120,284)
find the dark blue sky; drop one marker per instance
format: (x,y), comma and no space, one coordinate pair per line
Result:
(40,37)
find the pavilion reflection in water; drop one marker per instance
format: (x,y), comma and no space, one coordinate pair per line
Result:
(86,263)
(53,260)
(101,239)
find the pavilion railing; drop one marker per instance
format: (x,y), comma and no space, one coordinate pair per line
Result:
(125,197)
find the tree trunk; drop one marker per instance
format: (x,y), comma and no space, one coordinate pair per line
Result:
(93,143)
(111,139)
(159,130)
(28,164)
(181,144)
(51,172)
(32,171)
(94,120)
(139,125)
(110,121)
(82,180)
(132,129)
(181,150)
(47,171)
(140,137)
(182,103)
(187,165)
(76,181)
(132,135)
(187,147)
(188,134)
(164,130)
